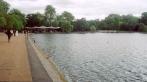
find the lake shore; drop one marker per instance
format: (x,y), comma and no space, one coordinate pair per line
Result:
(98,31)
(49,65)
(39,73)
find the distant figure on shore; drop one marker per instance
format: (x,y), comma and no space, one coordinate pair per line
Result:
(9,34)
(14,32)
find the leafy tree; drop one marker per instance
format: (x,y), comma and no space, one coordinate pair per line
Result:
(144,18)
(94,23)
(40,17)
(36,19)
(17,22)
(18,13)
(67,16)
(81,25)
(3,21)
(55,23)
(9,22)
(113,21)
(50,14)
(60,20)
(92,28)
(141,27)
(66,26)
(102,25)
(129,22)
(117,22)
(4,6)
(65,21)
(14,22)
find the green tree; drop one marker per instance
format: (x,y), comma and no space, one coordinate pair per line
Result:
(92,28)
(36,19)
(17,22)
(67,16)
(102,25)
(14,22)
(18,13)
(66,26)
(129,22)
(94,23)
(65,21)
(141,27)
(3,21)
(50,14)
(55,23)
(4,6)
(144,18)
(113,21)
(40,18)
(81,25)
(10,22)
(60,19)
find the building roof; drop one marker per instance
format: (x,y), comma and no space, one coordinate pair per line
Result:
(44,27)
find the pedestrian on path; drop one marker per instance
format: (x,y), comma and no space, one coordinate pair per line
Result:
(9,34)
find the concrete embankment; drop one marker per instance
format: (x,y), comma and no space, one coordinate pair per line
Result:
(39,73)
(48,64)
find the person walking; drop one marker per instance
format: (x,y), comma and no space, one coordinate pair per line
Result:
(9,34)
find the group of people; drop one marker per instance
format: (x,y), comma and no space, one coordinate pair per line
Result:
(10,33)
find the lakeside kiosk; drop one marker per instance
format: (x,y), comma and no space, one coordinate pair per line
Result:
(43,29)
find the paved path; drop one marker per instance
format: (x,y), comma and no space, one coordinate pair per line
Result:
(14,64)
(39,74)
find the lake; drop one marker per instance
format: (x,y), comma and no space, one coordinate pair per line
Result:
(98,57)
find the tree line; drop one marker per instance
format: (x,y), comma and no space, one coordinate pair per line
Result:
(10,18)
(15,19)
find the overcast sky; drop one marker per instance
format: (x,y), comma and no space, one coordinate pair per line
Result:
(90,9)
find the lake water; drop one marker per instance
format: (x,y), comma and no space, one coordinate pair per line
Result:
(98,57)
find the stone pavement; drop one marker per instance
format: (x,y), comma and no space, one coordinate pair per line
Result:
(14,62)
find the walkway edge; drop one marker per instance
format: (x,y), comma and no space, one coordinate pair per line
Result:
(48,64)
